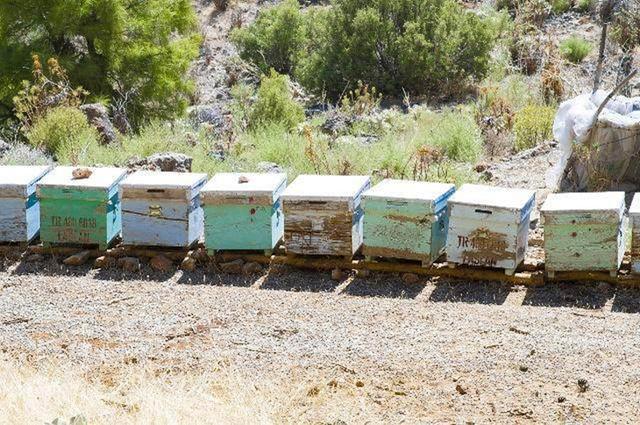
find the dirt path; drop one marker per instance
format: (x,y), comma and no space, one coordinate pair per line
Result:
(375,349)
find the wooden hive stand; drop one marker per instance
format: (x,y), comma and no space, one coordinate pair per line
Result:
(406,220)
(243,212)
(80,211)
(162,209)
(323,215)
(489,226)
(19,205)
(584,231)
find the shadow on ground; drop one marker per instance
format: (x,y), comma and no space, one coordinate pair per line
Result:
(286,278)
(470,292)
(50,266)
(214,278)
(627,300)
(570,294)
(384,286)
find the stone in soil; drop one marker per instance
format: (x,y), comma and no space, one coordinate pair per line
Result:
(410,278)
(234,266)
(130,264)
(104,261)
(77,259)
(161,263)
(165,161)
(336,274)
(188,264)
(98,117)
(251,268)
(363,273)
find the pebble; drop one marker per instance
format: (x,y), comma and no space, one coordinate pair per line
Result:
(77,259)
(363,273)
(234,266)
(104,261)
(161,263)
(252,268)
(130,264)
(188,264)
(336,274)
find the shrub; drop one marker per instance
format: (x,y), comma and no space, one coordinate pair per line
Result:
(63,129)
(575,49)
(457,135)
(275,103)
(560,6)
(421,46)
(274,39)
(533,125)
(584,6)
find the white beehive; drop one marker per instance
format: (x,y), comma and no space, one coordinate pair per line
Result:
(162,208)
(19,206)
(488,226)
(323,215)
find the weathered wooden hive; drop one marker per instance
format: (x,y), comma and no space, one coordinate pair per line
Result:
(19,206)
(243,211)
(634,217)
(488,226)
(406,219)
(162,208)
(584,231)
(80,210)
(323,215)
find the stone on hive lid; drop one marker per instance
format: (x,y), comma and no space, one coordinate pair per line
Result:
(100,178)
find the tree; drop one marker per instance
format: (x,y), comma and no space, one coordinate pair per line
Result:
(132,53)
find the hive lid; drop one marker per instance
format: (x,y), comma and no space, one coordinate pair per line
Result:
(101,178)
(584,202)
(326,188)
(408,190)
(230,185)
(493,197)
(635,204)
(15,180)
(162,184)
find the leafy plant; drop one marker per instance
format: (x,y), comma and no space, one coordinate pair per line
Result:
(560,6)
(62,130)
(584,6)
(275,103)
(135,53)
(533,125)
(575,49)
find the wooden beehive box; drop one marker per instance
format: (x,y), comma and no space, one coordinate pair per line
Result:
(584,231)
(634,217)
(19,206)
(80,211)
(243,211)
(323,215)
(489,226)
(406,219)
(162,208)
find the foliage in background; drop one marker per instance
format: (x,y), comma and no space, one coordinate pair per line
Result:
(275,103)
(136,54)
(533,125)
(575,49)
(421,46)
(63,131)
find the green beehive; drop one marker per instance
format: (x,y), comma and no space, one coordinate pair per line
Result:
(406,219)
(80,210)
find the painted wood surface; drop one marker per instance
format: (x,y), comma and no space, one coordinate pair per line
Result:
(243,211)
(162,208)
(407,220)
(584,231)
(19,205)
(489,226)
(323,215)
(80,211)
(634,219)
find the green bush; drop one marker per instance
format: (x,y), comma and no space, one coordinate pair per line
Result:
(62,131)
(275,103)
(420,46)
(575,49)
(457,135)
(584,6)
(560,6)
(533,125)
(274,39)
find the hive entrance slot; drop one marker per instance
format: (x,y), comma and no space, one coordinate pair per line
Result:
(481,211)
(155,190)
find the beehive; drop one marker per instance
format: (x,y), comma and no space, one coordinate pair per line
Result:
(323,215)
(406,219)
(162,208)
(584,231)
(80,211)
(19,206)
(488,226)
(243,211)
(634,217)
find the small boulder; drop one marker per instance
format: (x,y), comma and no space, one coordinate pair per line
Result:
(161,263)
(130,264)
(269,167)
(410,278)
(234,266)
(251,268)
(104,261)
(170,161)
(98,117)
(363,273)
(188,264)
(336,274)
(81,173)
(77,259)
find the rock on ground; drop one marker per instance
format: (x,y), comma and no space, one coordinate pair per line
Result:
(98,117)
(165,161)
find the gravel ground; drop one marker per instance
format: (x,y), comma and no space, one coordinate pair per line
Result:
(435,351)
